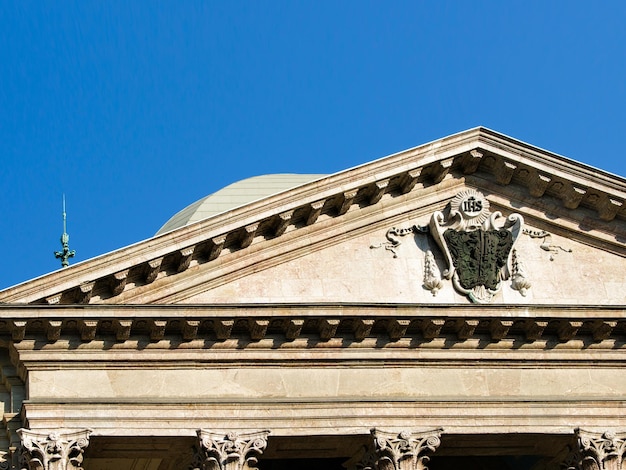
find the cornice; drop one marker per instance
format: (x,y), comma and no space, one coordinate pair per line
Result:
(351,324)
(587,196)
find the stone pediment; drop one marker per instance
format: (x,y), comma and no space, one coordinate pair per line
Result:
(312,243)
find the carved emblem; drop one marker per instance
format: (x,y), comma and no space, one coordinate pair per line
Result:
(477,244)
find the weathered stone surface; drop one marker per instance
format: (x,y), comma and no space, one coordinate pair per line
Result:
(351,270)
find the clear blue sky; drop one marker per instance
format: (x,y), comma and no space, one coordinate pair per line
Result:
(136,109)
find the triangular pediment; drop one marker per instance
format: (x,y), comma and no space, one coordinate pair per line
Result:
(313,243)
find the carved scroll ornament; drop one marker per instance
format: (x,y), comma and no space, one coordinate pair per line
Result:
(601,451)
(232,451)
(52,451)
(405,450)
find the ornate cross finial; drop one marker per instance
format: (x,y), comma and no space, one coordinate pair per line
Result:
(66,253)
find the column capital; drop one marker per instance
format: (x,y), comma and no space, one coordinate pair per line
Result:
(230,451)
(404,450)
(600,451)
(52,450)
(5,460)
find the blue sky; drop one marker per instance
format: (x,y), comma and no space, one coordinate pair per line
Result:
(136,109)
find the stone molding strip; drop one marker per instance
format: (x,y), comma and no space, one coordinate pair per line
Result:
(352,322)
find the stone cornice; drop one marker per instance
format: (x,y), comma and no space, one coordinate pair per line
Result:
(286,323)
(584,194)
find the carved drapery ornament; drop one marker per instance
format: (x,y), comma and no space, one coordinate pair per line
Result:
(432,275)
(232,451)
(598,451)
(405,450)
(52,450)
(546,242)
(393,241)
(519,278)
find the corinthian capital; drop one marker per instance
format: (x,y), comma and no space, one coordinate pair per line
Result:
(5,460)
(232,451)
(52,450)
(405,450)
(600,451)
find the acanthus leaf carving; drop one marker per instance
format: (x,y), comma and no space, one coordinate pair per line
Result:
(598,451)
(52,450)
(230,451)
(405,450)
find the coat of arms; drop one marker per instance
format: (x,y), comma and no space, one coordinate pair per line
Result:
(477,244)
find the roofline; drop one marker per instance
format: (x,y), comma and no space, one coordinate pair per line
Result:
(429,160)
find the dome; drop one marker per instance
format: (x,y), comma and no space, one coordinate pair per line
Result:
(235,195)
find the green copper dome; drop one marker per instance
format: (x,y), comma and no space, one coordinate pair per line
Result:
(235,195)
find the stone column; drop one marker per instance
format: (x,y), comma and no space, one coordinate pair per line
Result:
(398,451)
(52,450)
(232,451)
(598,451)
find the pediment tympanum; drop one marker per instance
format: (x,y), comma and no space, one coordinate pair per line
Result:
(312,242)
(543,268)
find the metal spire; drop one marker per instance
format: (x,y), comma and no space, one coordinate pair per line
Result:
(66,254)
